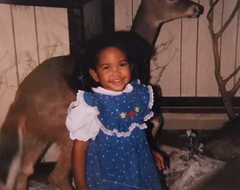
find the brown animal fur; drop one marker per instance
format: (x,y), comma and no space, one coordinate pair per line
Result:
(41,101)
(36,118)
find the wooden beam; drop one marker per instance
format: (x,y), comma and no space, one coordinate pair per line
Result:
(196,104)
(48,3)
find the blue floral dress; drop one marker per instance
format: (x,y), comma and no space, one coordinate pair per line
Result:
(118,156)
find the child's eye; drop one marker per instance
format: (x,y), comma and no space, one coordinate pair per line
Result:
(123,64)
(106,67)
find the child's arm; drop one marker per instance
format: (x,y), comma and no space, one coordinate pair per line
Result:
(158,160)
(161,158)
(79,164)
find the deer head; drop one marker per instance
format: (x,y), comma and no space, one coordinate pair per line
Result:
(152,14)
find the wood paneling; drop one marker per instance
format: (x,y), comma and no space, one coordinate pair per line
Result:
(228,46)
(26,50)
(123,14)
(8,69)
(189,33)
(184,65)
(168,54)
(52,32)
(30,35)
(206,83)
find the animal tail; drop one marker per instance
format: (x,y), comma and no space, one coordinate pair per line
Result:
(10,149)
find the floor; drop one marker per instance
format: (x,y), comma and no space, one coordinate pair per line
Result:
(223,145)
(227,179)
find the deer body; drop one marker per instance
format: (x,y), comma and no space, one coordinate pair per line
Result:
(36,118)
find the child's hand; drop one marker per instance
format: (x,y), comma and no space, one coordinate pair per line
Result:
(158,160)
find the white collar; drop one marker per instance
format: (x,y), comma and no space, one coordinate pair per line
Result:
(100,90)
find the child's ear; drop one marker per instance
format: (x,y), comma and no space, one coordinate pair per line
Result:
(94,75)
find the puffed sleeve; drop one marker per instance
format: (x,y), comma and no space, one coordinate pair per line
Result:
(146,95)
(82,121)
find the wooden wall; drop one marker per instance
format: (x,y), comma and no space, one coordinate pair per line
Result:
(182,67)
(28,36)
(184,63)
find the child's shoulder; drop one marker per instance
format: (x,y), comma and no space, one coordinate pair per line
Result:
(142,90)
(137,85)
(90,98)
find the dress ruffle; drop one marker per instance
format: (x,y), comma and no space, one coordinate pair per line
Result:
(83,120)
(121,134)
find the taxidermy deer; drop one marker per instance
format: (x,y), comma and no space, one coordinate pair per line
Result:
(36,118)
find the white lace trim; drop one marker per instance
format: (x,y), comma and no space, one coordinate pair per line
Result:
(151,97)
(77,102)
(121,134)
(80,99)
(148,116)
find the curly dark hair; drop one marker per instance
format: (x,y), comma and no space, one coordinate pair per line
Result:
(137,50)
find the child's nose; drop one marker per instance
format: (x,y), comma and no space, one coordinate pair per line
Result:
(116,71)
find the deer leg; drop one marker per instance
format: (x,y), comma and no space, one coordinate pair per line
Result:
(60,175)
(31,154)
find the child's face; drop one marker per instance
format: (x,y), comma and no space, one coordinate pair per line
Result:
(113,70)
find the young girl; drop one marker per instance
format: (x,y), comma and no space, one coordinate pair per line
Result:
(107,125)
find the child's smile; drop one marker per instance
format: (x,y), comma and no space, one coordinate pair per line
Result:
(113,70)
